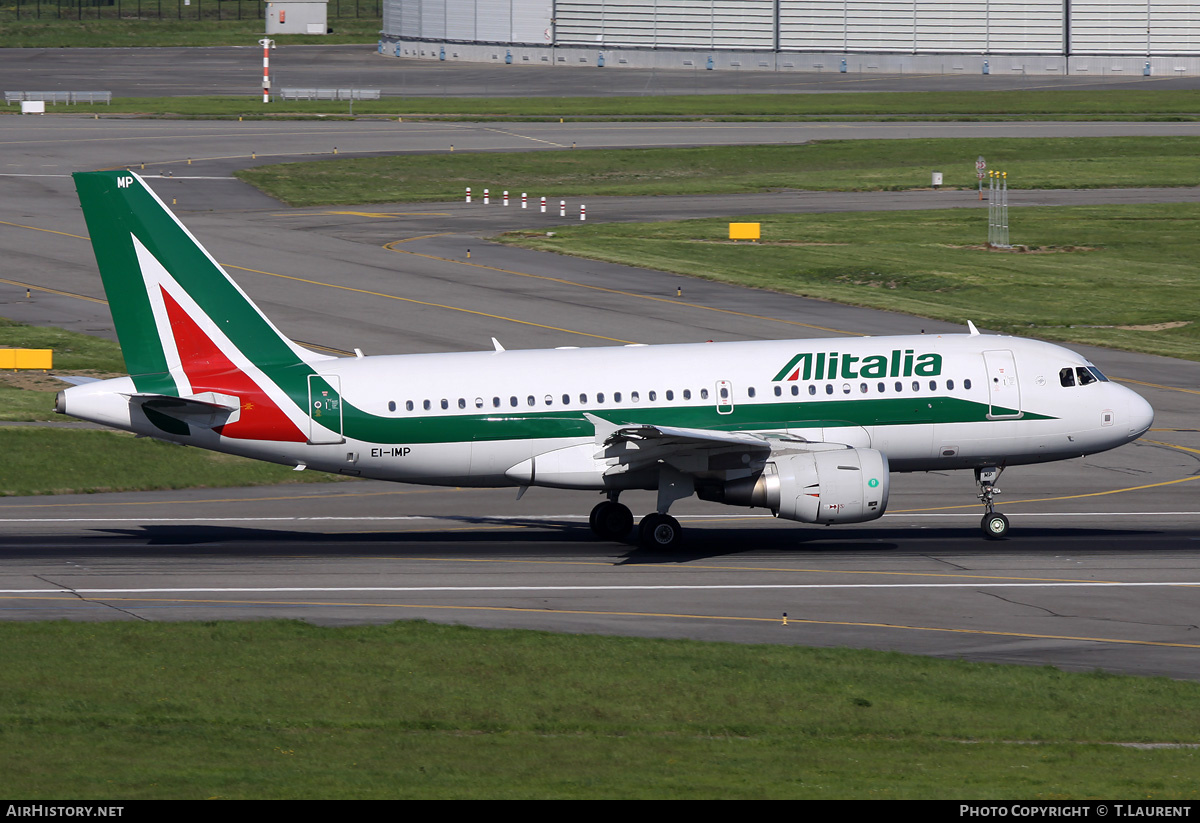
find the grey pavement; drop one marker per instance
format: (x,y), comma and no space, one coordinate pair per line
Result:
(237,70)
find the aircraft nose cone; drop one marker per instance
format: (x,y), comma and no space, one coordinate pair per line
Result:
(1139,413)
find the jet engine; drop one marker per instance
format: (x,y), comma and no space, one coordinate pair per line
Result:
(842,485)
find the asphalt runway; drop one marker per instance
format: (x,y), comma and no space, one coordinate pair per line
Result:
(1100,570)
(234,70)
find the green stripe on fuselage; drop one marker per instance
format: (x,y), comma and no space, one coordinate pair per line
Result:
(566,423)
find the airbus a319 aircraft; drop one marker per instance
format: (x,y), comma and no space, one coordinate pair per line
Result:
(809,429)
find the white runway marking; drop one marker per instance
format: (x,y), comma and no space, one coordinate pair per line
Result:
(417,589)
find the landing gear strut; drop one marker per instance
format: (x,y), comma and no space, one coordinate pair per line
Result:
(994,525)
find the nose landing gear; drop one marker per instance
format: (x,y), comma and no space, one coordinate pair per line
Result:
(994,525)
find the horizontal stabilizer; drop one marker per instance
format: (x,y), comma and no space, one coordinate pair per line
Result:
(208,409)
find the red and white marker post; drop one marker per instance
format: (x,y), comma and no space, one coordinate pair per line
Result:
(524,200)
(543,205)
(468,194)
(582,212)
(562,208)
(267,46)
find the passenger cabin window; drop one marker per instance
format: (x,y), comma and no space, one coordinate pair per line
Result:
(391,405)
(408,405)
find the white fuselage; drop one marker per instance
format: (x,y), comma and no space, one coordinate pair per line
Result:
(926,402)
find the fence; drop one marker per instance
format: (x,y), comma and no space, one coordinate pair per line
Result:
(329,94)
(56,97)
(167,9)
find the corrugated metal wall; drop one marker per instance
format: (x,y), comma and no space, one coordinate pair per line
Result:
(1101,27)
(1157,27)
(470,21)
(709,24)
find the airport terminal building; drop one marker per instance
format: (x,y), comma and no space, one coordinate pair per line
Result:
(1035,37)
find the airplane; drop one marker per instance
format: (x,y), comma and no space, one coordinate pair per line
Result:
(808,429)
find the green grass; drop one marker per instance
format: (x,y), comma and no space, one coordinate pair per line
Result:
(1090,270)
(825,165)
(28,395)
(72,351)
(60,461)
(27,405)
(411,710)
(1133,104)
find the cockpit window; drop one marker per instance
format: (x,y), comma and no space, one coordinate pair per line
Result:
(1067,377)
(1085,376)
(1098,374)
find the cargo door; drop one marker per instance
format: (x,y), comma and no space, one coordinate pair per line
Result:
(324,409)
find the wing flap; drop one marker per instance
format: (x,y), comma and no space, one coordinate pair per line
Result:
(701,452)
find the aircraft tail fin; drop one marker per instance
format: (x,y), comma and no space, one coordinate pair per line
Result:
(181,320)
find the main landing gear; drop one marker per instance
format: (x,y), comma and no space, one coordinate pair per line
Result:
(994,525)
(611,520)
(660,531)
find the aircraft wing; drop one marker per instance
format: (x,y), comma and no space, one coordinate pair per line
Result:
(691,451)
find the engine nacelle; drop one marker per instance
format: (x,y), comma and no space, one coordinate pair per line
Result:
(835,486)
